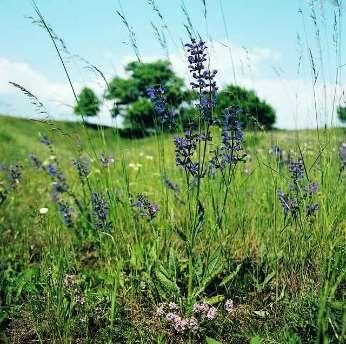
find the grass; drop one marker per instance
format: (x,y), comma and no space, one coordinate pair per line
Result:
(82,285)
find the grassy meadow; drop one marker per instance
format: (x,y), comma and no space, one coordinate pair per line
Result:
(201,269)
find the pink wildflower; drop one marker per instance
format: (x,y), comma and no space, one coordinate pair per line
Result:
(172,317)
(229,306)
(193,324)
(212,313)
(180,325)
(172,306)
(160,309)
(201,308)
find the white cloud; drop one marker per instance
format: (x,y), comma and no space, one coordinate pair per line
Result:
(292,98)
(57,97)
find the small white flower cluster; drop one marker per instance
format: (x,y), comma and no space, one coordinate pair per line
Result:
(135,166)
(71,285)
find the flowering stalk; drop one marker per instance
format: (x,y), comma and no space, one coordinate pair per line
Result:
(299,194)
(59,185)
(14,176)
(165,116)
(206,87)
(230,153)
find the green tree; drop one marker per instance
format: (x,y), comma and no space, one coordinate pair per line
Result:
(131,96)
(342,114)
(255,109)
(88,103)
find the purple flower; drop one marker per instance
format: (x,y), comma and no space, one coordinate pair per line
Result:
(313,187)
(213,166)
(277,153)
(184,150)
(300,192)
(197,56)
(297,170)
(284,202)
(180,325)
(52,170)
(35,160)
(59,185)
(14,175)
(232,133)
(100,209)
(203,77)
(145,207)
(171,185)
(66,213)
(106,161)
(312,209)
(82,166)
(158,98)
(57,189)
(230,151)
(45,140)
(172,317)
(153,210)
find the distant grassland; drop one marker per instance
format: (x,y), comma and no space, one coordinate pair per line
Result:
(287,280)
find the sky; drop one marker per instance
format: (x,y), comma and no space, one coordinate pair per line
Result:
(288,51)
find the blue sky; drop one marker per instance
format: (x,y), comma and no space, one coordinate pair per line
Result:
(262,35)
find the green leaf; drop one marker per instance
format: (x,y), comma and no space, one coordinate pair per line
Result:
(166,283)
(261,314)
(231,276)
(172,263)
(212,341)
(211,270)
(337,305)
(25,281)
(181,234)
(3,316)
(200,217)
(268,279)
(256,340)
(215,299)
(282,294)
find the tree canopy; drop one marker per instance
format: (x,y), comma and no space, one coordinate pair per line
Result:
(254,109)
(88,103)
(131,100)
(342,114)
(130,94)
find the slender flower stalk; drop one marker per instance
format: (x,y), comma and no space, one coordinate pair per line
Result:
(157,95)
(82,166)
(204,83)
(100,210)
(300,193)
(203,78)
(145,207)
(66,213)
